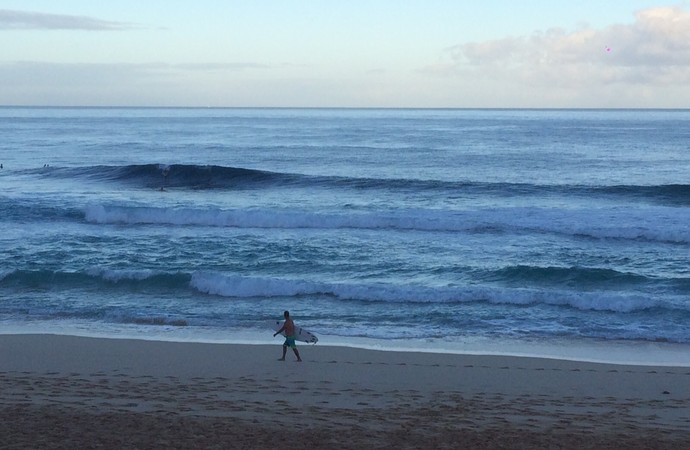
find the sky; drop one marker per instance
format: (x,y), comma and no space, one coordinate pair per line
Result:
(346,53)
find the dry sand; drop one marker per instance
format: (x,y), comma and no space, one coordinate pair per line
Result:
(72,393)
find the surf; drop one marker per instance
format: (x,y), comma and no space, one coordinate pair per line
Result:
(237,286)
(655,224)
(216,177)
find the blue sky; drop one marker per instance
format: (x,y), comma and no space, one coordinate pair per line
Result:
(355,53)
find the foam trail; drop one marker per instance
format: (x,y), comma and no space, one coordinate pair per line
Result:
(654,224)
(261,287)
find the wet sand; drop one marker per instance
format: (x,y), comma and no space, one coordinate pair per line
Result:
(73,392)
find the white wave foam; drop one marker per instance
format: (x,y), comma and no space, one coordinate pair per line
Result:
(237,286)
(247,287)
(263,218)
(654,224)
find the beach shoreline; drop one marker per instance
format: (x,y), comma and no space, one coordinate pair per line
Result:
(82,392)
(635,353)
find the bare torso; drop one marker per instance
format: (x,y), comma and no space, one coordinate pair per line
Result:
(289,327)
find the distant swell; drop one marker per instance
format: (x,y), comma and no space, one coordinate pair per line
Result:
(200,177)
(671,194)
(174,175)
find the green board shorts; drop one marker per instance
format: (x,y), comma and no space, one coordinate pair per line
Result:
(290,342)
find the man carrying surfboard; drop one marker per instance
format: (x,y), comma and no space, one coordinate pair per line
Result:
(289,329)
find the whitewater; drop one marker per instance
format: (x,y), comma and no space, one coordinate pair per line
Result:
(559,233)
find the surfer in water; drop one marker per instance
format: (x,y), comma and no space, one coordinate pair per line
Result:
(289,329)
(165,172)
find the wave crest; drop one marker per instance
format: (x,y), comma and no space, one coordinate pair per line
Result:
(236,286)
(192,176)
(652,224)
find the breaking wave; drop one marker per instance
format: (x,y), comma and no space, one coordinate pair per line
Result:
(651,224)
(239,286)
(200,177)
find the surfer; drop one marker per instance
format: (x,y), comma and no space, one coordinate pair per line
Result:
(165,172)
(289,329)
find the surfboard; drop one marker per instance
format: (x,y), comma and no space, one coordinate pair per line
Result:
(300,333)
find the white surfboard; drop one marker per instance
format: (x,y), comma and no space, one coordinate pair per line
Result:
(300,333)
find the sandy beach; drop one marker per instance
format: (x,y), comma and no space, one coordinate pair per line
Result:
(74,392)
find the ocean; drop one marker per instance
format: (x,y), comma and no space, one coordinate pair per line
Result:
(555,233)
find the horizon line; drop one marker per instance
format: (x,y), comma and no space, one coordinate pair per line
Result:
(430,108)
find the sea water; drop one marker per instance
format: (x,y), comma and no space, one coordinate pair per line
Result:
(561,233)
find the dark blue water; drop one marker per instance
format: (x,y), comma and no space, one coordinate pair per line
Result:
(462,230)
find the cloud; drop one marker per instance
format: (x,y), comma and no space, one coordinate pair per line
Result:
(654,50)
(23,20)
